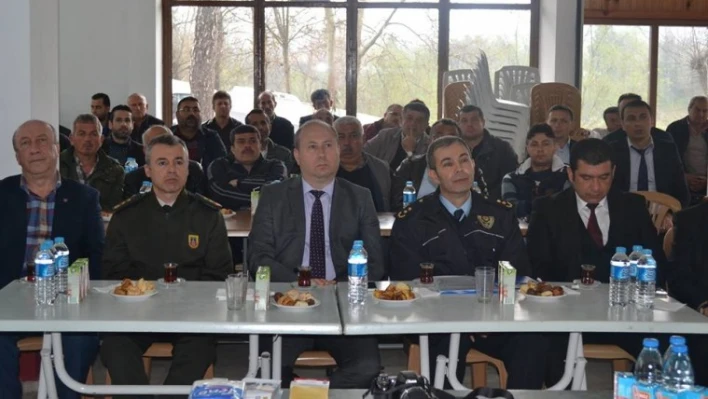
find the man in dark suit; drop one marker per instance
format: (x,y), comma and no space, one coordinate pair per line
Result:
(282,131)
(622,101)
(558,242)
(643,163)
(689,279)
(321,99)
(691,137)
(302,231)
(69,209)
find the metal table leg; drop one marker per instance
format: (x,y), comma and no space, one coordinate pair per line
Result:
(424,356)
(277,356)
(47,385)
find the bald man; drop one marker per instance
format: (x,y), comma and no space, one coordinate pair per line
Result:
(35,206)
(141,119)
(282,131)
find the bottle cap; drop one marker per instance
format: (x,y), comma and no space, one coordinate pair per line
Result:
(58,240)
(646,251)
(651,343)
(46,245)
(409,183)
(621,250)
(677,340)
(679,349)
(358,243)
(637,248)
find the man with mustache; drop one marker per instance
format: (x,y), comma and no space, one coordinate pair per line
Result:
(281,130)
(118,144)
(233,177)
(204,145)
(269,149)
(359,167)
(458,230)
(88,164)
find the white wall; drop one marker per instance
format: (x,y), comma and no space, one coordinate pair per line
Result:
(108,46)
(557,41)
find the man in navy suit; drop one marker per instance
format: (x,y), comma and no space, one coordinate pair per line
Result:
(38,205)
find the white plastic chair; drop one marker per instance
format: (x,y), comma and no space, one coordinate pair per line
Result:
(514,83)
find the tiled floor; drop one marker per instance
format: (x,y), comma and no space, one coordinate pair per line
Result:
(232,363)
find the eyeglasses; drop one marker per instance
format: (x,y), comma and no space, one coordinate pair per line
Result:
(187,110)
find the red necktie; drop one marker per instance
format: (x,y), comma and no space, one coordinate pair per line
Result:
(594,227)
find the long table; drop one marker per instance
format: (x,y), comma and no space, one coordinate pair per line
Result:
(456,314)
(357,394)
(190,308)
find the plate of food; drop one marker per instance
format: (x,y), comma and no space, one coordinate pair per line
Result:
(398,294)
(134,291)
(227,213)
(106,216)
(541,292)
(294,301)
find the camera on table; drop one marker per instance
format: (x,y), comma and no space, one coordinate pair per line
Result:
(406,385)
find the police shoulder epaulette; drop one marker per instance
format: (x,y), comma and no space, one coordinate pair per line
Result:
(409,209)
(129,202)
(504,204)
(208,202)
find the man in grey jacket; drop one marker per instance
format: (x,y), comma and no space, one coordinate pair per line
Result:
(359,167)
(396,144)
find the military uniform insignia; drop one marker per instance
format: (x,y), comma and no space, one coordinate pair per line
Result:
(208,202)
(193,241)
(505,204)
(128,202)
(486,221)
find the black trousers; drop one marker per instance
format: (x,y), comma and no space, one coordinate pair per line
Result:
(358,359)
(191,356)
(523,354)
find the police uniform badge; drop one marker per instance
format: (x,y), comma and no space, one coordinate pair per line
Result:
(193,241)
(486,221)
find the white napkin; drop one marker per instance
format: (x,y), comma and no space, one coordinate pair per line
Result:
(106,289)
(221,294)
(667,305)
(424,292)
(570,291)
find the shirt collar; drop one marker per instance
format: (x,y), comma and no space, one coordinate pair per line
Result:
(23,183)
(466,206)
(329,188)
(649,147)
(582,204)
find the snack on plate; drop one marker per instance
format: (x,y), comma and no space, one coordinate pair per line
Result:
(294,298)
(395,292)
(541,289)
(130,288)
(226,212)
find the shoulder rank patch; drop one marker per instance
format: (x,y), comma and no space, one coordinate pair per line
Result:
(129,202)
(404,212)
(486,221)
(208,202)
(505,204)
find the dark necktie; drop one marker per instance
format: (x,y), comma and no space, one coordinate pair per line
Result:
(459,215)
(317,237)
(643,175)
(594,227)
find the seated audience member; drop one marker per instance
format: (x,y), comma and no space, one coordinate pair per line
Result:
(141,119)
(279,238)
(540,175)
(269,149)
(393,145)
(183,227)
(196,181)
(360,168)
(691,137)
(559,243)
(100,105)
(223,124)
(490,153)
(619,134)
(233,177)
(118,144)
(87,163)
(391,119)
(324,115)
(611,116)
(321,100)
(35,206)
(643,163)
(442,228)
(204,145)
(64,141)
(560,119)
(282,131)
(415,168)
(689,278)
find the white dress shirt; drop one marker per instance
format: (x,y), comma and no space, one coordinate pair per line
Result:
(602,213)
(635,160)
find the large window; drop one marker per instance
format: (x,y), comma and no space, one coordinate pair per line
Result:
(367,53)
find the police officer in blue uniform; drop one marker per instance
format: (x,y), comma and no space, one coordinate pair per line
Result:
(458,230)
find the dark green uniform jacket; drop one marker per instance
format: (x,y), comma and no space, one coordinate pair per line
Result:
(142,236)
(107,177)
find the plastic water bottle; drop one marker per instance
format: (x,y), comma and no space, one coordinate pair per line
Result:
(646,281)
(61,263)
(409,194)
(44,293)
(146,187)
(130,165)
(675,340)
(678,372)
(358,273)
(633,259)
(619,278)
(648,369)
